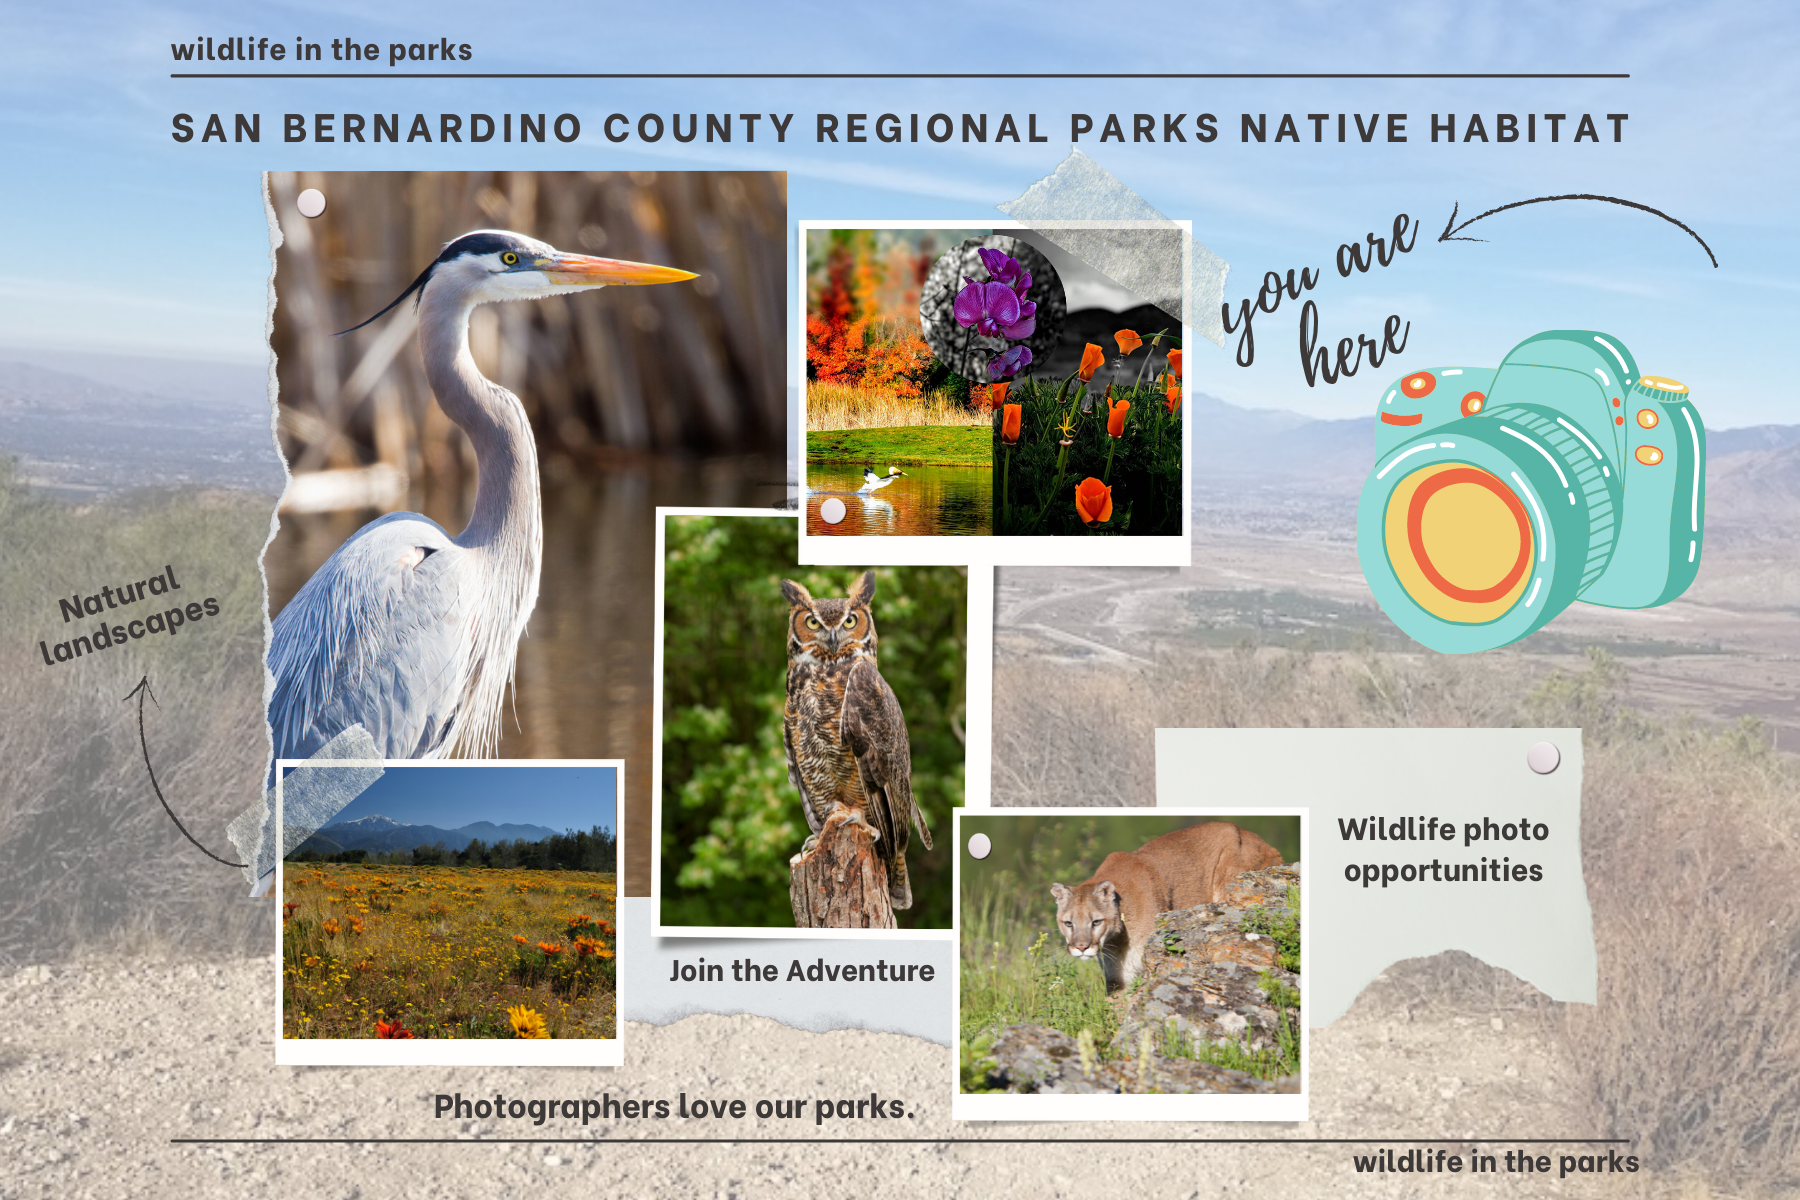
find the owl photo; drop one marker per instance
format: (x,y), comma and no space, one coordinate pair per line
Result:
(795,695)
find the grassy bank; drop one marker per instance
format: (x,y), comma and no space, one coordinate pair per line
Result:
(905,446)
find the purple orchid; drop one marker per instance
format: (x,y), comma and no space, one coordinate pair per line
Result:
(1003,267)
(988,307)
(1010,363)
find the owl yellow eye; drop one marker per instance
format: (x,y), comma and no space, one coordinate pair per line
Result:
(812,623)
(509,258)
(850,621)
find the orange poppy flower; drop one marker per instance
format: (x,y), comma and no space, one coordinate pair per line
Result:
(1128,341)
(392,1029)
(1093,501)
(1175,363)
(1010,417)
(1092,359)
(1172,390)
(548,948)
(997,393)
(1115,418)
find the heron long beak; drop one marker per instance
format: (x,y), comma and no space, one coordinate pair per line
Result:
(581,270)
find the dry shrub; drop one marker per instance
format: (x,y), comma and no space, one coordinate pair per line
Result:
(1085,732)
(1689,838)
(1689,843)
(87,854)
(835,406)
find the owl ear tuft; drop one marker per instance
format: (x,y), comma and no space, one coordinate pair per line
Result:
(864,591)
(796,594)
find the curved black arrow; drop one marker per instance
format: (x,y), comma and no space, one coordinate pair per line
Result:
(140,691)
(1451,228)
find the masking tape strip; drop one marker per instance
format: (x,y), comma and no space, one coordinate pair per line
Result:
(311,795)
(1084,209)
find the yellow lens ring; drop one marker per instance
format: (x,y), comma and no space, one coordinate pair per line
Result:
(1459,541)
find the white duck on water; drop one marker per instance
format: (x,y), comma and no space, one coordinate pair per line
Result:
(873,482)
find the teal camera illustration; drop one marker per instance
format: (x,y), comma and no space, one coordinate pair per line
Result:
(1501,495)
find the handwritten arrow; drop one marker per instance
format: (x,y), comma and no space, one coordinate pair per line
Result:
(1451,228)
(140,691)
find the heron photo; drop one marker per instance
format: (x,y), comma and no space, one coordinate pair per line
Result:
(456,901)
(465,554)
(1104,953)
(813,723)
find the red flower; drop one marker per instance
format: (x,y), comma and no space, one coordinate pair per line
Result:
(392,1029)
(1093,501)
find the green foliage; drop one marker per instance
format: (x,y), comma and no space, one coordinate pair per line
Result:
(730,819)
(1015,967)
(1281,926)
(903,446)
(1034,493)
(976,1064)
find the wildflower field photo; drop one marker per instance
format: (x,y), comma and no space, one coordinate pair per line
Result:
(402,920)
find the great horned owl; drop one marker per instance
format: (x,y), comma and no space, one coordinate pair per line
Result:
(845,734)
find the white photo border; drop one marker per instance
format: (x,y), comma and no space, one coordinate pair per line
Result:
(1006,1107)
(460,1052)
(977,733)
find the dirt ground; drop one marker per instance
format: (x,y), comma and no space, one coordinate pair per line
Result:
(104,1063)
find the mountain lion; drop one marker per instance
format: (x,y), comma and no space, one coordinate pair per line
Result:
(1111,916)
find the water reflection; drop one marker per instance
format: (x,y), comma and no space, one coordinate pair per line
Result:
(583,683)
(925,502)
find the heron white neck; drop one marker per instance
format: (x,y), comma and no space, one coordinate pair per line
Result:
(508,511)
(505,534)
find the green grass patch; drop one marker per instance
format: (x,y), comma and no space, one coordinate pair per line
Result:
(904,446)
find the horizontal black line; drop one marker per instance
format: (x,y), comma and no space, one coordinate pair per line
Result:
(860,75)
(900,1141)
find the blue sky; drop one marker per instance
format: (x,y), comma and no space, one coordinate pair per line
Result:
(120,239)
(450,795)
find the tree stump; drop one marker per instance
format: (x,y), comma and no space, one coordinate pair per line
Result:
(841,883)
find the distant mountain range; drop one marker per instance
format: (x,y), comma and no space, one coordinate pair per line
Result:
(382,835)
(81,436)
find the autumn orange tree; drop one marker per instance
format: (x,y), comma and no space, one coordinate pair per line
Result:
(847,341)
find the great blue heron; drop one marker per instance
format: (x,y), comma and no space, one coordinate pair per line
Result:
(406,630)
(873,482)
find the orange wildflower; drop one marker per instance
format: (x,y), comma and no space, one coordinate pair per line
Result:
(1092,359)
(287,910)
(392,1029)
(1175,363)
(519,938)
(330,928)
(1128,340)
(1010,417)
(1115,418)
(997,393)
(1093,501)
(550,947)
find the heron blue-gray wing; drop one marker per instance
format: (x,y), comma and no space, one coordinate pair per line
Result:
(377,637)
